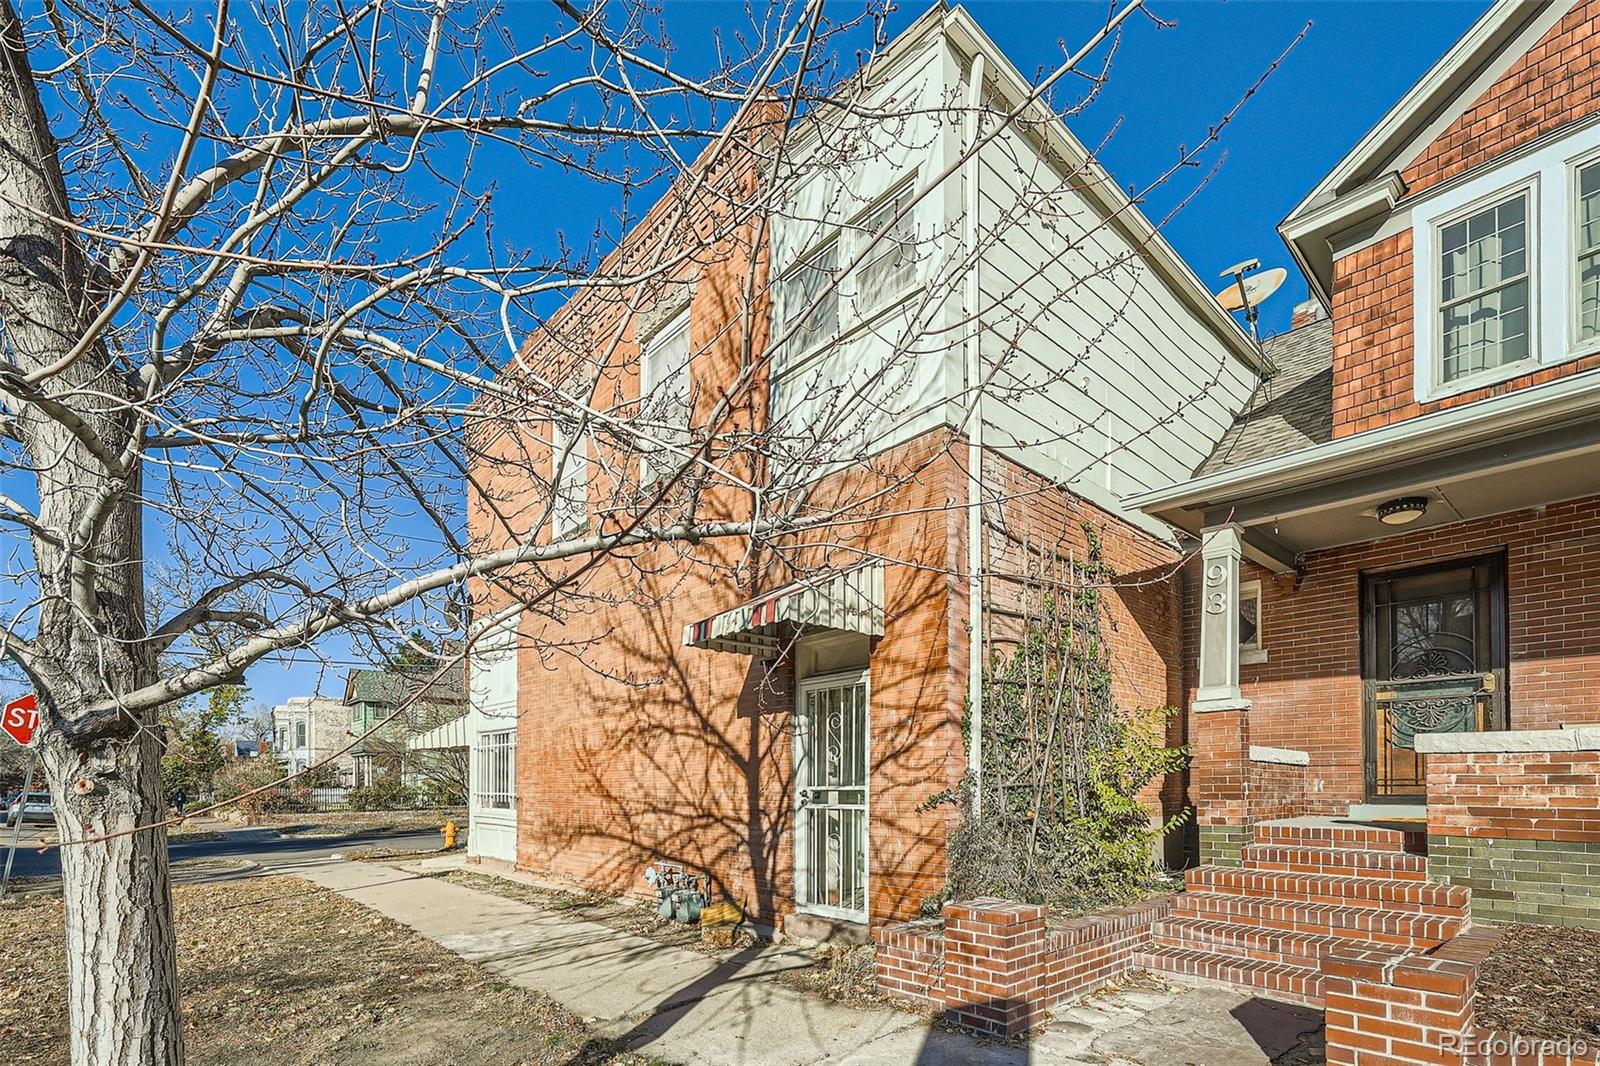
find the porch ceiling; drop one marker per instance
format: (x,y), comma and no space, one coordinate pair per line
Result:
(1471,462)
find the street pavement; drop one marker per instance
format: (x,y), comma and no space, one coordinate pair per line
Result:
(263,847)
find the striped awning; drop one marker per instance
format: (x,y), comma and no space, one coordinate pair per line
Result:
(451,734)
(850,601)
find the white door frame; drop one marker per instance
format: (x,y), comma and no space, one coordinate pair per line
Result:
(802,816)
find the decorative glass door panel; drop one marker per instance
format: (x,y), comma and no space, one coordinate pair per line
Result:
(831,795)
(1434,660)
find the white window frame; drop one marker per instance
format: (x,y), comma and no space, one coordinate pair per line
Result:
(495,752)
(1254,651)
(854,313)
(863,309)
(569,473)
(1528,192)
(1580,345)
(790,353)
(648,382)
(1548,174)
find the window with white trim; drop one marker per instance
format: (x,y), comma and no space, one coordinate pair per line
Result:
(569,480)
(808,300)
(1250,647)
(1586,216)
(1485,282)
(666,402)
(890,266)
(495,786)
(299,734)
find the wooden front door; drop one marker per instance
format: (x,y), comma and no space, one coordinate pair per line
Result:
(1433,661)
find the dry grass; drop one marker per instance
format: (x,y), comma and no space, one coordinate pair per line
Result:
(278,972)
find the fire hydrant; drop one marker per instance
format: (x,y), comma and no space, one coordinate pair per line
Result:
(450,830)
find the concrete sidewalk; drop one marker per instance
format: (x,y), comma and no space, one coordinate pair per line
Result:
(730,1011)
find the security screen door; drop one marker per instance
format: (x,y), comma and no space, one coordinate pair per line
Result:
(1434,661)
(831,752)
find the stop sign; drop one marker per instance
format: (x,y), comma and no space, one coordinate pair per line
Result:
(21,718)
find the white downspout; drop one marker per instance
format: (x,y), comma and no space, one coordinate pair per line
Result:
(974,378)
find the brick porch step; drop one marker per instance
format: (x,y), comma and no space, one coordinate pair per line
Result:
(1379,925)
(1399,865)
(1428,897)
(1294,984)
(1326,833)
(1248,941)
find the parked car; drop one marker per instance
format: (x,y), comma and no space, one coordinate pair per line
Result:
(36,809)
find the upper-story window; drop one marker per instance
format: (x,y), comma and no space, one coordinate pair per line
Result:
(891,262)
(808,299)
(299,734)
(666,402)
(569,451)
(1507,268)
(1483,288)
(809,310)
(1587,211)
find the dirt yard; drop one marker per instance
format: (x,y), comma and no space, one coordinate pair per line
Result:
(278,972)
(1542,981)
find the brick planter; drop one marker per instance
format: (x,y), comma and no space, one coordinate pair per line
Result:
(1386,1009)
(997,966)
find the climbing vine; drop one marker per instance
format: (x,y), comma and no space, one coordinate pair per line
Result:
(1057,818)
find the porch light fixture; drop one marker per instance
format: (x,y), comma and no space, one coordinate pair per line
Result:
(1402,511)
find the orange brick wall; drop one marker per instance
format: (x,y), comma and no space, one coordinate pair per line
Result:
(1308,694)
(1554,83)
(1545,795)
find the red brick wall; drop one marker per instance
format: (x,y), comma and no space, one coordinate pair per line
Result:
(1277,790)
(1383,1010)
(1143,621)
(1308,694)
(997,966)
(1539,795)
(1554,83)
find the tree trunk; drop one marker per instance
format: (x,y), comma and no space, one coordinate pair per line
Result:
(123,987)
(76,425)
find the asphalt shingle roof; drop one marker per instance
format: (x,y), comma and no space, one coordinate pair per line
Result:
(1291,410)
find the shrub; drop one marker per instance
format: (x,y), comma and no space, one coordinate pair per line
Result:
(244,776)
(384,794)
(1057,819)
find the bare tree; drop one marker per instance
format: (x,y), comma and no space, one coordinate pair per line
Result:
(261,331)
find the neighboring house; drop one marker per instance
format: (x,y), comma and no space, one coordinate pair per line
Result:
(784,731)
(308,729)
(1395,617)
(373,698)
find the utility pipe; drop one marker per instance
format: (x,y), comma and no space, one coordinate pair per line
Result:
(974,378)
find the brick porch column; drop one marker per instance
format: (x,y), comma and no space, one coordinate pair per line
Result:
(1219,723)
(994,965)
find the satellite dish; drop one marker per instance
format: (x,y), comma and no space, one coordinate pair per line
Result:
(1250,292)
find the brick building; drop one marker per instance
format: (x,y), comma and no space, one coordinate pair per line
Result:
(777,712)
(1393,619)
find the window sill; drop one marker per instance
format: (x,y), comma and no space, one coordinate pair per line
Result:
(1252,656)
(1432,393)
